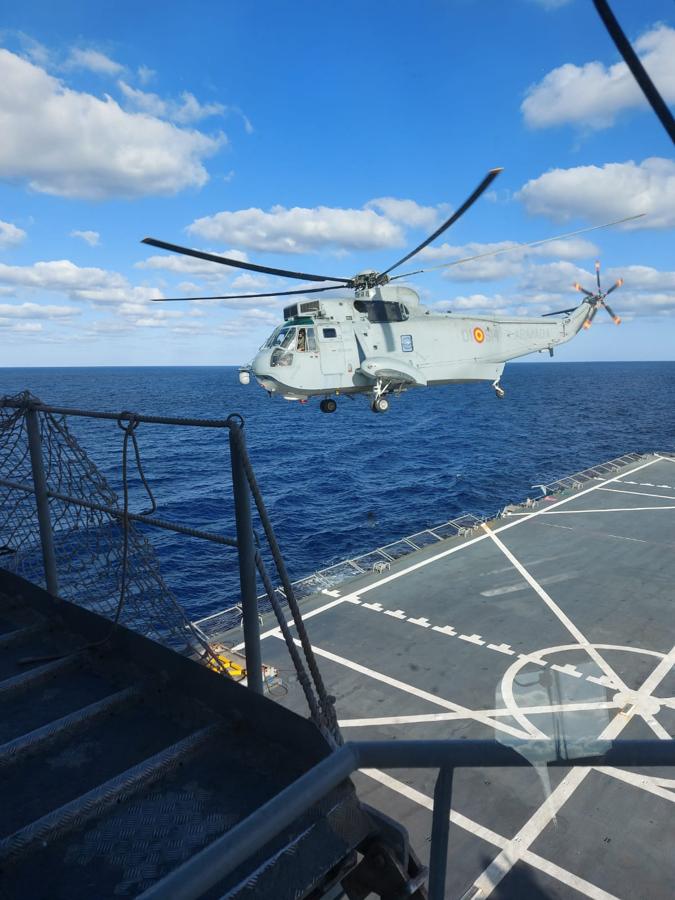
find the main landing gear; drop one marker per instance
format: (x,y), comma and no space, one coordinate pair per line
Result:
(379,403)
(328,405)
(499,390)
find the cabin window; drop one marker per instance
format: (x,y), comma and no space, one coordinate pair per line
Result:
(329,332)
(407,343)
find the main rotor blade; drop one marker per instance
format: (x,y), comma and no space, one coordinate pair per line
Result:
(624,47)
(485,183)
(238,264)
(333,287)
(597,275)
(558,237)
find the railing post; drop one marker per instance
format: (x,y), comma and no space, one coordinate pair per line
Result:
(42,500)
(438,857)
(247,565)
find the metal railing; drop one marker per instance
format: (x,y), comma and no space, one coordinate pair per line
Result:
(221,858)
(244,542)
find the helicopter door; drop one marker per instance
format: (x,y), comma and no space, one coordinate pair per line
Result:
(332,351)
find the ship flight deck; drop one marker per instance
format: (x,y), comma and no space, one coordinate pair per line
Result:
(554,620)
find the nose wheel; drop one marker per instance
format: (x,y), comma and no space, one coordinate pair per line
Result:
(328,405)
(499,390)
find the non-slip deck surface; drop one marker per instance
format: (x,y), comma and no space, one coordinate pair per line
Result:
(555,621)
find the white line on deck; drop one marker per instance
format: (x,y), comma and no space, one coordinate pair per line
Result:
(555,609)
(504,862)
(491,837)
(644,782)
(417,692)
(454,716)
(621,509)
(635,493)
(274,632)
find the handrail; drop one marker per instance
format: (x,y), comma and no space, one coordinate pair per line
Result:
(220,858)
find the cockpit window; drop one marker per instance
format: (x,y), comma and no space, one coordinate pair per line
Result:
(282,337)
(330,332)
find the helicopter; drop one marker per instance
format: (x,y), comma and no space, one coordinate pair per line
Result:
(384,341)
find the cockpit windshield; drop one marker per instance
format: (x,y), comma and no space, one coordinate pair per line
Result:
(281,337)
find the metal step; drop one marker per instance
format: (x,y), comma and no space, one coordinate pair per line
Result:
(92,804)
(37,674)
(40,738)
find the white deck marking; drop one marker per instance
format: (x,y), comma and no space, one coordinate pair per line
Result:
(621,509)
(635,493)
(422,622)
(491,837)
(644,782)
(502,648)
(455,716)
(472,639)
(395,613)
(555,609)
(567,669)
(417,692)
(481,537)
(274,632)
(503,863)
(445,629)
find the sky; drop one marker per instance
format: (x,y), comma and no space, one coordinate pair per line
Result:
(323,137)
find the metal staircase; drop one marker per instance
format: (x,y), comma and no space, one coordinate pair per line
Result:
(120,760)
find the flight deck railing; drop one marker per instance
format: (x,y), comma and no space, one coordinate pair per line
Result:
(39,456)
(214,863)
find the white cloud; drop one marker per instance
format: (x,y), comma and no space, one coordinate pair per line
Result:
(80,283)
(594,94)
(407,212)
(73,144)
(36,311)
(613,191)
(93,61)
(11,325)
(508,259)
(189,265)
(145,74)
(300,230)
(552,4)
(90,237)
(185,111)
(10,235)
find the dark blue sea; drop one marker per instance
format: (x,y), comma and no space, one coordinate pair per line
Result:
(339,485)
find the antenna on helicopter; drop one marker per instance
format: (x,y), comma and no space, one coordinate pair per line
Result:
(599,299)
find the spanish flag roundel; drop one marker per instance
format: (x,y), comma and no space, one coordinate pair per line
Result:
(478,335)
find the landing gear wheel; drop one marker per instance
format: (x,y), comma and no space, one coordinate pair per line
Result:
(328,405)
(380,405)
(500,392)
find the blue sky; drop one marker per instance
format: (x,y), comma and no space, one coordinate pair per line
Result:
(324,137)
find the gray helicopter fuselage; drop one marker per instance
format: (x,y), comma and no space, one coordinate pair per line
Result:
(385,336)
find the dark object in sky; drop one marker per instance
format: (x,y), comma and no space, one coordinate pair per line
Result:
(625,49)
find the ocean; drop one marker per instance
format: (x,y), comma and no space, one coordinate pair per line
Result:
(339,485)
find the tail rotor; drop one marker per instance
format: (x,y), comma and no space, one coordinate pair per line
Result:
(598,299)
